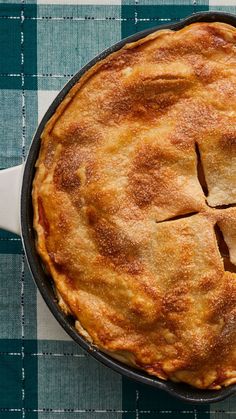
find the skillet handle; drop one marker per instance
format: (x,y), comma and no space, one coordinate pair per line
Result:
(10,190)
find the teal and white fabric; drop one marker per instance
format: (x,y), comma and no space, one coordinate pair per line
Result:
(43,374)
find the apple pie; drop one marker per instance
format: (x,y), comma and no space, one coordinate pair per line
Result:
(135,204)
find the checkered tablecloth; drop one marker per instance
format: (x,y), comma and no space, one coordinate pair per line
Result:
(44,374)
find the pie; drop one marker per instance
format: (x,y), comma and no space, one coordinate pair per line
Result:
(135,204)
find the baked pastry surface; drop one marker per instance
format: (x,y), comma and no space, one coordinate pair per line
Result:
(134,198)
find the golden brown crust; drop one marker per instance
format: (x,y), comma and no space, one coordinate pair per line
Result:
(117,165)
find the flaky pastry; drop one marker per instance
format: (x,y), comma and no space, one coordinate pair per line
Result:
(134,204)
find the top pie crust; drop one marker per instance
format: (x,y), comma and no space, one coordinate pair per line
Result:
(124,225)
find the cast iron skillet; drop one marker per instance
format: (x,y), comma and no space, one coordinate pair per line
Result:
(179,390)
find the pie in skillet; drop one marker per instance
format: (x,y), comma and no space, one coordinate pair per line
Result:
(135,204)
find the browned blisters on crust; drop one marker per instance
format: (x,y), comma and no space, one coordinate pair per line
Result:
(144,98)
(176,300)
(114,244)
(65,175)
(228,139)
(132,246)
(147,179)
(207,283)
(83,133)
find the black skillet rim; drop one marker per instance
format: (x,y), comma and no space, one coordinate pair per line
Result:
(179,390)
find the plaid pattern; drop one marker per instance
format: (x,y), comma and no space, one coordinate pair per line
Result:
(43,374)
